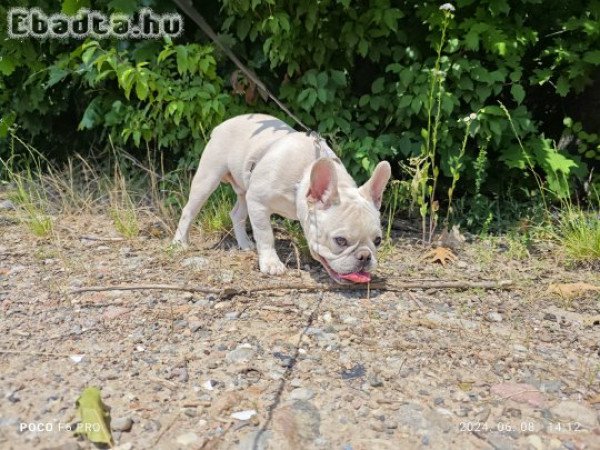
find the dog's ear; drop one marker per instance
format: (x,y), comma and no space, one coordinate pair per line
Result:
(373,189)
(323,189)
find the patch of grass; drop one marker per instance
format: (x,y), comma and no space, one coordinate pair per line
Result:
(578,233)
(125,222)
(214,216)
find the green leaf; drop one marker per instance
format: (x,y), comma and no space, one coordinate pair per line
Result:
(182,59)
(91,116)
(517,92)
(6,122)
(562,86)
(338,77)
(405,100)
(124,6)
(70,7)
(141,89)
(592,57)
(243,28)
(377,86)
(56,74)
(7,65)
(322,79)
(363,47)
(322,95)
(472,40)
(94,417)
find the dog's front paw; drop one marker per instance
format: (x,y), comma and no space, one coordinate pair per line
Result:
(271,266)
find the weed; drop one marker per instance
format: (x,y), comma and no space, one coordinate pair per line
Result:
(578,233)
(214,216)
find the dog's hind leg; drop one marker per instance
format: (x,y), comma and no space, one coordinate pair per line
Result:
(239,215)
(206,180)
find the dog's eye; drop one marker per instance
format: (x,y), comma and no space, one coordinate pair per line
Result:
(342,242)
(377,241)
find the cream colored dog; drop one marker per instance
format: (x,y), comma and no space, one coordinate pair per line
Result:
(276,170)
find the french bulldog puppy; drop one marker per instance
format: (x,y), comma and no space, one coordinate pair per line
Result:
(275,169)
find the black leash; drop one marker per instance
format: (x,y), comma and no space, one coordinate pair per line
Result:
(192,13)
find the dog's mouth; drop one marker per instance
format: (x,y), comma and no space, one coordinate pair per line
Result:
(342,278)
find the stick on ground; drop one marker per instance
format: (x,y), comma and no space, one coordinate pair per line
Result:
(381,286)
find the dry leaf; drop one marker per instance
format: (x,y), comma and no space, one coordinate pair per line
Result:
(442,255)
(570,290)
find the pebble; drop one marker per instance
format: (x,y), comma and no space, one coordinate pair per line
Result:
(232,315)
(551,317)
(194,325)
(187,439)
(494,316)
(240,355)
(195,262)
(374,381)
(121,424)
(180,324)
(301,394)
(376,425)
(244,415)
(7,204)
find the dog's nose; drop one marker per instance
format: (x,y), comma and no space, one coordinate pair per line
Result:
(364,256)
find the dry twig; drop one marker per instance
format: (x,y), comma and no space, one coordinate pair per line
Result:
(234,291)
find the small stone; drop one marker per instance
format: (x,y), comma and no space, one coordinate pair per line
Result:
(190,412)
(232,315)
(187,439)
(209,385)
(240,355)
(195,262)
(390,425)
(374,381)
(425,440)
(121,424)
(194,325)
(180,324)
(493,316)
(7,204)
(182,375)
(355,372)
(327,317)
(376,425)
(301,394)
(244,415)
(550,316)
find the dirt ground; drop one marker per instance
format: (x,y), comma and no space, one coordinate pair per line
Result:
(466,369)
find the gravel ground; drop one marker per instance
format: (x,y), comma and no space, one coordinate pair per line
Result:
(437,369)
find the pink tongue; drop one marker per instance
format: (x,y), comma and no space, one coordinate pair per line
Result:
(357,277)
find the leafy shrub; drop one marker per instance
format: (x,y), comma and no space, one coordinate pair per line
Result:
(358,71)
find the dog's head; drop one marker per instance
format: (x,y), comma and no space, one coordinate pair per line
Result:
(342,227)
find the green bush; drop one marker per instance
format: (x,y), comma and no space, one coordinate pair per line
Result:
(358,71)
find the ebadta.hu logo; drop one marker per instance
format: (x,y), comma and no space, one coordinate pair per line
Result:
(34,23)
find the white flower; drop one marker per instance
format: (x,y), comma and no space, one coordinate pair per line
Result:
(472,116)
(447,7)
